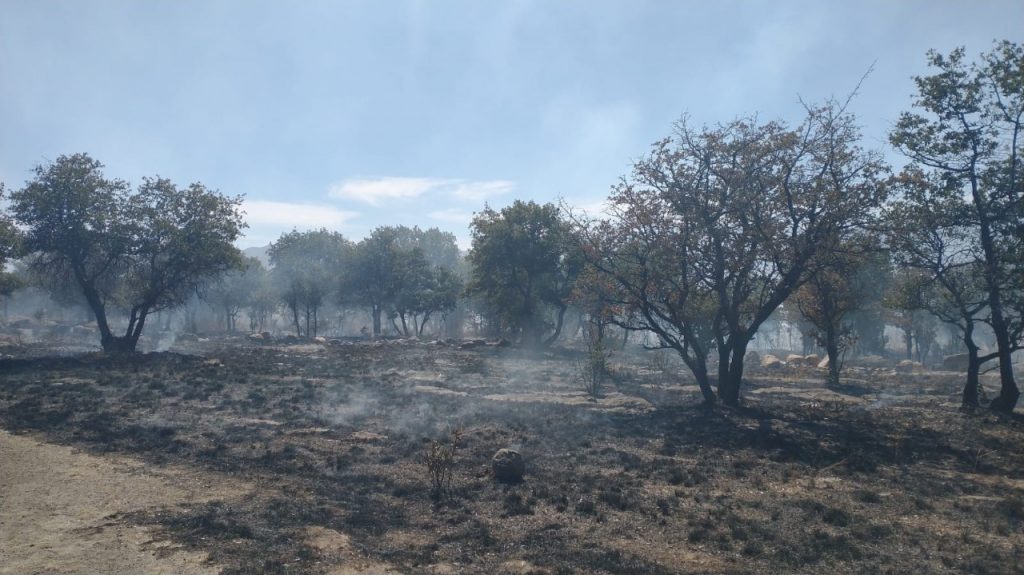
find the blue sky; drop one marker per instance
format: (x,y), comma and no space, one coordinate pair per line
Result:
(351,115)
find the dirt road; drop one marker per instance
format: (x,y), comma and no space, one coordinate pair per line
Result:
(56,508)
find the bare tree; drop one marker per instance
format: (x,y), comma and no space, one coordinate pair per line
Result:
(717,227)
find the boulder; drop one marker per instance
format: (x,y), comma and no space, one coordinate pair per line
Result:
(823,364)
(769,361)
(508,466)
(472,344)
(21,323)
(795,359)
(812,360)
(83,332)
(907,366)
(956,362)
(873,361)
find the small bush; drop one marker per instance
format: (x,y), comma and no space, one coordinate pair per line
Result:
(593,367)
(440,462)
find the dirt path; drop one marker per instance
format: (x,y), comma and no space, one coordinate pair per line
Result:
(56,504)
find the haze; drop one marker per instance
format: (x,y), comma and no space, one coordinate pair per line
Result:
(358,114)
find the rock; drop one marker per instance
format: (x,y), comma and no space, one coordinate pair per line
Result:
(266,336)
(83,332)
(769,361)
(256,337)
(320,339)
(751,358)
(473,343)
(812,360)
(795,359)
(21,323)
(956,362)
(185,336)
(873,361)
(823,364)
(907,366)
(508,466)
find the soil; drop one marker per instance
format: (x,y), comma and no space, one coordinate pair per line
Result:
(228,456)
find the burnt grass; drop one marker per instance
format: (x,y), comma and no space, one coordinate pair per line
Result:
(882,476)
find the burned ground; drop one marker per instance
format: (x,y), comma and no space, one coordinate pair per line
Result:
(883,475)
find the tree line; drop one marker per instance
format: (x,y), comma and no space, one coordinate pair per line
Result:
(714,232)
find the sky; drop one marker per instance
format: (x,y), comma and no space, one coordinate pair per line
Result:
(351,115)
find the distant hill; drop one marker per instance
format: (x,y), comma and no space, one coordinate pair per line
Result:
(260,253)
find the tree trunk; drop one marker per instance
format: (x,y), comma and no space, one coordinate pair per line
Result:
(700,373)
(729,387)
(970,395)
(123,344)
(558,326)
(1008,392)
(423,324)
(832,350)
(375,311)
(295,317)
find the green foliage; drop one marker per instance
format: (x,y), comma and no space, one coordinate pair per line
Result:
(10,237)
(390,272)
(136,252)
(235,290)
(305,267)
(965,139)
(525,261)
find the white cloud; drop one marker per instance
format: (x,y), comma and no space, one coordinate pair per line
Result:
(289,215)
(375,190)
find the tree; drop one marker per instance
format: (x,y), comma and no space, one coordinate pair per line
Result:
(10,237)
(837,288)
(305,268)
(428,282)
(374,274)
(234,291)
(263,301)
(716,228)
(136,252)
(422,290)
(525,261)
(10,246)
(967,132)
(933,235)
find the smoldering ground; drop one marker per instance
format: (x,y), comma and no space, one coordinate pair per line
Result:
(641,480)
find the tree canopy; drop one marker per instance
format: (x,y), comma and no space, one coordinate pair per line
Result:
(525,261)
(135,252)
(717,227)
